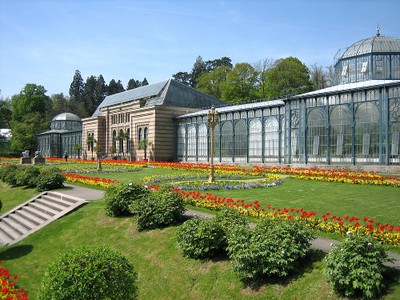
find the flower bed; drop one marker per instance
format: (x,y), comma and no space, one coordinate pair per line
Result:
(95,181)
(384,233)
(8,288)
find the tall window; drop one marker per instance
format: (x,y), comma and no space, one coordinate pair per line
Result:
(191,147)
(121,141)
(271,137)
(316,135)
(367,132)
(340,138)
(255,139)
(128,140)
(114,141)
(202,142)
(240,140)
(181,143)
(227,141)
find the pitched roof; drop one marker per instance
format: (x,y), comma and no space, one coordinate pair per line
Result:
(168,92)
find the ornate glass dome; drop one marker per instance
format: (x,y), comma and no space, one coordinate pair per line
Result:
(374,58)
(66,121)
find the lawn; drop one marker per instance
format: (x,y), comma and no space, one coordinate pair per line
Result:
(163,272)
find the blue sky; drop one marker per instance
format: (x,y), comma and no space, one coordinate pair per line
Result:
(44,42)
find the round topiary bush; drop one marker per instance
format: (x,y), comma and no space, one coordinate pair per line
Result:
(272,248)
(355,267)
(119,197)
(89,273)
(201,238)
(158,209)
(50,179)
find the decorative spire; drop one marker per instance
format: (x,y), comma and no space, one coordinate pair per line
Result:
(378,29)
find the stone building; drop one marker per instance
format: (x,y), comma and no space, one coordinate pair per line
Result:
(139,124)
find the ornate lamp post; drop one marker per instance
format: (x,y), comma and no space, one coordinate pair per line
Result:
(212,121)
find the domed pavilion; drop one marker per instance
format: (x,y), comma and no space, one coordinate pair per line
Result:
(64,135)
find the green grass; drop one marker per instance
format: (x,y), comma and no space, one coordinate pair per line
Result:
(163,272)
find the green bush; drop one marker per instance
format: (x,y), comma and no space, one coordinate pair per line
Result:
(355,267)
(201,238)
(272,248)
(89,273)
(159,209)
(27,176)
(8,174)
(119,197)
(50,179)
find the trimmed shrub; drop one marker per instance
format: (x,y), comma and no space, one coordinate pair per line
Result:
(89,273)
(50,179)
(272,248)
(201,238)
(8,174)
(159,209)
(119,197)
(28,176)
(355,267)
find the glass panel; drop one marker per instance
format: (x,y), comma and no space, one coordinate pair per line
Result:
(271,136)
(316,136)
(240,140)
(181,143)
(340,138)
(367,133)
(227,141)
(202,142)
(191,143)
(255,140)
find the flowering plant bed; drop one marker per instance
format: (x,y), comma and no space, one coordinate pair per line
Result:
(385,233)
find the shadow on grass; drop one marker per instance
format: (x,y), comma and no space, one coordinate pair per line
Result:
(15,252)
(304,266)
(391,278)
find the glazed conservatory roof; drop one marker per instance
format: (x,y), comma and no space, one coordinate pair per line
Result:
(375,44)
(67,117)
(349,87)
(239,107)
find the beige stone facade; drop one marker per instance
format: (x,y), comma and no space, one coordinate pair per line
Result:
(139,124)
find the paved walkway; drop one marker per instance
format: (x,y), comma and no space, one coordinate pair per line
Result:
(93,194)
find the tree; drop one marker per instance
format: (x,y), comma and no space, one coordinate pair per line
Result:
(330,76)
(262,67)
(90,96)
(77,94)
(5,113)
(199,67)
(115,87)
(211,65)
(144,82)
(29,116)
(318,76)
(288,76)
(239,86)
(59,104)
(101,91)
(132,84)
(211,82)
(182,77)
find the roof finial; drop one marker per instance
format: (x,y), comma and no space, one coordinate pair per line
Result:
(378,29)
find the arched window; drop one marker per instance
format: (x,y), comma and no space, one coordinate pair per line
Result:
(181,143)
(316,135)
(191,147)
(227,141)
(121,141)
(367,131)
(271,136)
(128,140)
(217,143)
(114,140)
(240,140)
(146,133)
(202,142)
(340,137)
(255,140)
